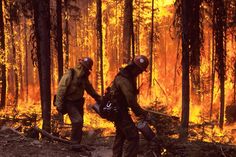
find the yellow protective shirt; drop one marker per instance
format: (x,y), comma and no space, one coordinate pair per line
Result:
(129,93)
(72,89)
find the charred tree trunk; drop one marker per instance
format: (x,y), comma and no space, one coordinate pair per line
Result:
(21,64)
(151,45)
(186,12)
(15,70)
(26,62)
(234,80)
(67,35)
(137,35)
(220,51)
(99,40)
(42,31)
(127,30)
(59,46)
(2,64)
(59,40)
(195,55)
(213,67)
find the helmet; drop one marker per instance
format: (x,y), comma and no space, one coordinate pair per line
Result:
(87,63)
(142,62)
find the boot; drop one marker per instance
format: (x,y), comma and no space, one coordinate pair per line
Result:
(76,132)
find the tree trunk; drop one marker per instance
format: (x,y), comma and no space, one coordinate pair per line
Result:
(42,31)
(99,40)
(127,30)
(2,64)
(59,40)
(15,70)
(151,45)
(67,35)
(185,68)
(20,64)
(195,55)
(213,69)
(220,49)
(59,45)
(234,80)
(26,62)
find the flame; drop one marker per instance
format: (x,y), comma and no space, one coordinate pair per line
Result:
(164,8)
(166,90)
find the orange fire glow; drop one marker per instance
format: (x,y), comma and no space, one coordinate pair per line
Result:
(166,87)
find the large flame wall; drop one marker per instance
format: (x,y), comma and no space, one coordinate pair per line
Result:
(166,84)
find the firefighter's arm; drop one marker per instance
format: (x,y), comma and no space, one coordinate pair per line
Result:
(61,91)
(91,91)
(131,98)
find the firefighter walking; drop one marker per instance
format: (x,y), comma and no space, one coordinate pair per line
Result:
(70,93)
(125,81)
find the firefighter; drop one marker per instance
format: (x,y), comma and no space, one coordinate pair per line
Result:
(70,95)
(125,82)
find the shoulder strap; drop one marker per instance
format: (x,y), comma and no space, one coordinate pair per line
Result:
(131,80)
(72,73)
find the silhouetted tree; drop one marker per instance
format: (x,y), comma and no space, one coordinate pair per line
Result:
(12,12)
(42,31)
(59,39)
(219,27)
(66,14)
(2,63)
(127,30)
(151,44)
(99,40)
(186,12)
(195,37)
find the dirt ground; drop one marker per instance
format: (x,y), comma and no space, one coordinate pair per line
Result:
(14,144)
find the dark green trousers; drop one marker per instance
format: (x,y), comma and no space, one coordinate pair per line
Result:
(76,112)
(126,131)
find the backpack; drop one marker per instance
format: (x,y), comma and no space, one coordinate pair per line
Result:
(72,73)
(109,108)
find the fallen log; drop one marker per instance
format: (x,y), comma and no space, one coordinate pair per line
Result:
(5,128)
(163,114)
(50,136)
(74,145)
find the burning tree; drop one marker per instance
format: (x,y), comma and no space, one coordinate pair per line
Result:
(181,78)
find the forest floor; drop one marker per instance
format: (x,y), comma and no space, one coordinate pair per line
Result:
(18,138)
(15,144)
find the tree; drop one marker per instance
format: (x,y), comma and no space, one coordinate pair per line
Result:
(127,30)
(151,44)
(2,64)
(26,61)
(195,53)
(59,39)
(220,50)
(186,12)
(42,31)
(67,34)
(12,11)
(99,40)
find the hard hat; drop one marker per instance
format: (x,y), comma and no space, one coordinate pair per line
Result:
(142,62)
(87,63)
